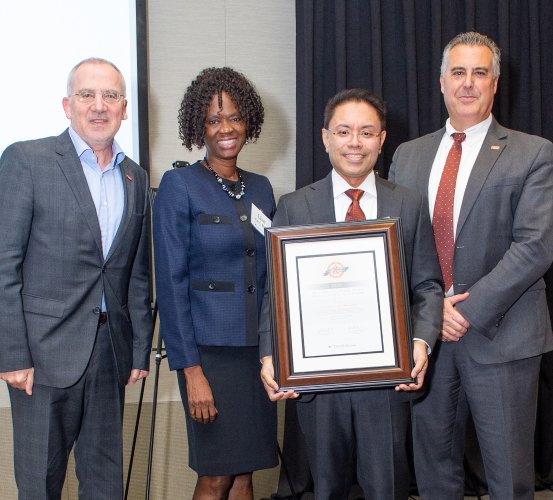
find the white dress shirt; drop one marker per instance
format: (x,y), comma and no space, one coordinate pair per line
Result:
(106,188)
(342,201)
(470,148)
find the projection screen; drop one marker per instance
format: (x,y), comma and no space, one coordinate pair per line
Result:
(40,43)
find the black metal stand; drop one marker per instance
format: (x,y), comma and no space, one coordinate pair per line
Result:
(285,469)
(160,354)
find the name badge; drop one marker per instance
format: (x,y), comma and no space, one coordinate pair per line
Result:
(259,220)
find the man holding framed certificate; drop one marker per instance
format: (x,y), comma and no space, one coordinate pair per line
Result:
(368,424)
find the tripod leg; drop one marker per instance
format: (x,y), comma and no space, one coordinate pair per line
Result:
(134,439)
(285,469)
(159,357)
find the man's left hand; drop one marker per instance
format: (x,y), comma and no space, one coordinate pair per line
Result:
(420,356)
(137,374)
(268,379)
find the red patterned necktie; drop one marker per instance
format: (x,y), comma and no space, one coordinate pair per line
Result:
(442,220)
(354,210)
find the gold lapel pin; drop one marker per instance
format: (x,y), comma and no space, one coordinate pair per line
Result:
(130,178)
(495,147)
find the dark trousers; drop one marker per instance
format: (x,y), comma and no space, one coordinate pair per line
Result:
(502,399)
(366,427)
(88,415)
(544,436)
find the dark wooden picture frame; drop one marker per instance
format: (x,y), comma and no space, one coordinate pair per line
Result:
(331,371)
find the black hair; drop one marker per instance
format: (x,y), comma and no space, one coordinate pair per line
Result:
(360,95)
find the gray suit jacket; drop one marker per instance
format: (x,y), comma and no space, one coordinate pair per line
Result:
(314,204)
(504,239)
(52,271)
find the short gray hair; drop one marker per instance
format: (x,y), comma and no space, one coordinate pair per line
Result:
(473,38)
(93,60)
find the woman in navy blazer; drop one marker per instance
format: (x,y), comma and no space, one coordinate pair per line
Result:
(210,273)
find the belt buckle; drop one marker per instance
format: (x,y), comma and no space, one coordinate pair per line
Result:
(103,318)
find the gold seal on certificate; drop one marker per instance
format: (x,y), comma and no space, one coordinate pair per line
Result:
(335,270)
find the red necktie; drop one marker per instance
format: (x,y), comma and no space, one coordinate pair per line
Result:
(442,220)
(354,210)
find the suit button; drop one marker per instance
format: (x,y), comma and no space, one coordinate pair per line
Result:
(96,310)
(211,286)
(251,289)
(243,217)
(103,269)
(250,252)
(216,219)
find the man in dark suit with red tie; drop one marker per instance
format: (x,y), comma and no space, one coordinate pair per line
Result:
(369,426)
(490,192)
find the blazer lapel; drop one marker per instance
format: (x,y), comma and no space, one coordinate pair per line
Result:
(72,169)
(129,188)
(387,203)
(320,201)
(426,159)
(492,147)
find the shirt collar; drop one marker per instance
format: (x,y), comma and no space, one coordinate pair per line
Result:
(483,126)
(82,147)
(340,186)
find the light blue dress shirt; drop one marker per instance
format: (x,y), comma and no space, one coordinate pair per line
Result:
(106,188)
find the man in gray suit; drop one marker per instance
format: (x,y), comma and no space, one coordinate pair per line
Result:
(74,290)
(495,319)
(368,424)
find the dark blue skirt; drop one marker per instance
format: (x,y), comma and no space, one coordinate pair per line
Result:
(243,437)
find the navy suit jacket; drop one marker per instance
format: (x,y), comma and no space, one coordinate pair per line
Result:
(210,262)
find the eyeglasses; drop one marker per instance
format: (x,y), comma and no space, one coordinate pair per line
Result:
(108,96)
(345,134)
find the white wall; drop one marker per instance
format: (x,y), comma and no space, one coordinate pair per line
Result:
(39,44)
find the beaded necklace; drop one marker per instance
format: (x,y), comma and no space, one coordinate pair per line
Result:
(225,188)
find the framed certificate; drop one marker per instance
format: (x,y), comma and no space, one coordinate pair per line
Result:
(339,305)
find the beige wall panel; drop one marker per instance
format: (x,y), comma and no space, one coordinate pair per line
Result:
(184,37)
(256,37)
(4,399)
(8,491)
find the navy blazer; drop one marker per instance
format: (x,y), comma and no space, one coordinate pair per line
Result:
(210,262)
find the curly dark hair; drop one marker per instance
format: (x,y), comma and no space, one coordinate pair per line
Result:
(196,100)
